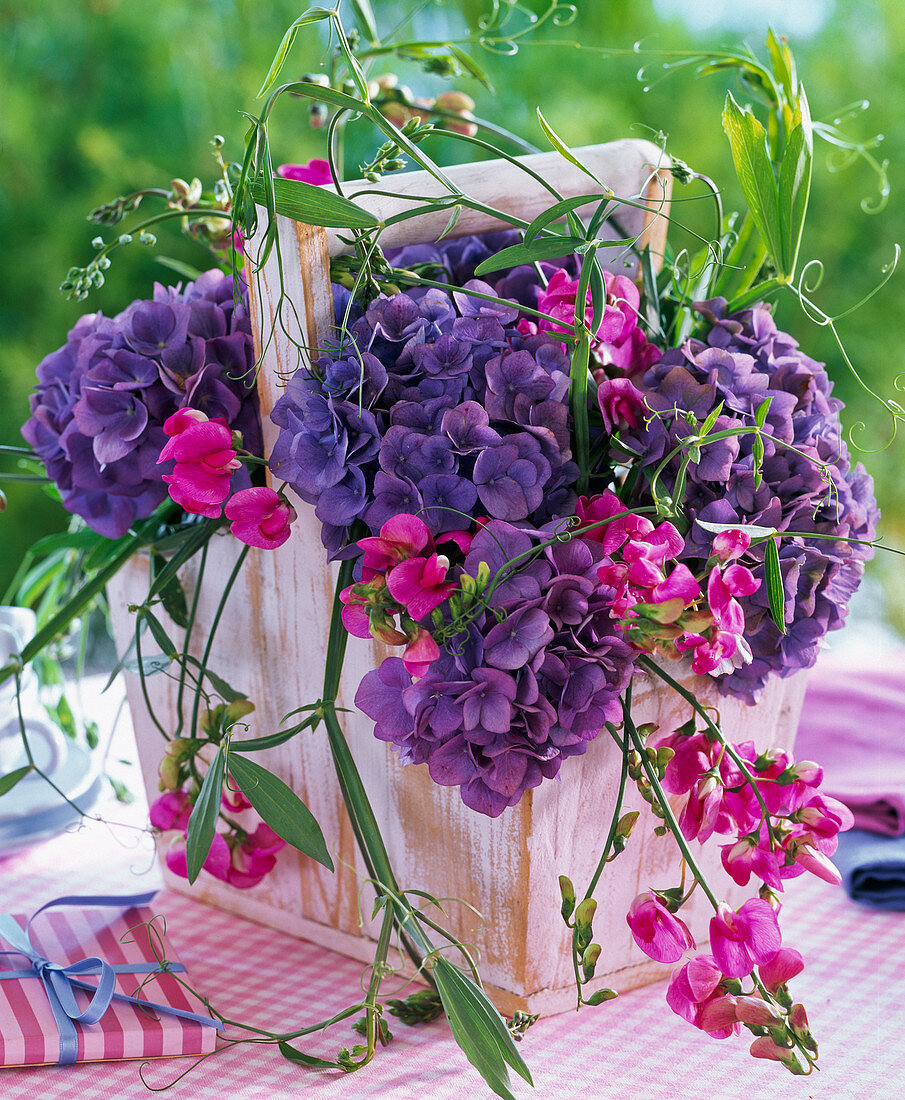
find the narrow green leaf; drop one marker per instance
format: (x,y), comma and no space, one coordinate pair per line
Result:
(203,822)
(187,271)
(783,65)
(712,418)
(555,212)
(228,693)
(305,202)
(795,184)
(172,594)
(479,1030)
(748,142)
(159,633)
(281,808)
(750,529)
(364,14)
(313,16)
(452,223)
(271,741)
(306,1059)
(775,590)
(149,666)
(760,415)
(543,248)
(120,665)
(560,146)
(7,782)
(470,66)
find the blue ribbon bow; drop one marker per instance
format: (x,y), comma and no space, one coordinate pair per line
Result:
(59,980)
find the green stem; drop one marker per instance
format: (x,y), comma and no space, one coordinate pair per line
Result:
(240,561)
(668,815)
(183,665)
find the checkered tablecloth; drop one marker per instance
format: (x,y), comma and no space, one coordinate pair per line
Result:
(854,987)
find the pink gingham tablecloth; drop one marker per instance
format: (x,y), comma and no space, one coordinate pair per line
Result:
(853,987)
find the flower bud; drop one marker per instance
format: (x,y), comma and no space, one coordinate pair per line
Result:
(752,1010)
(453,101)
(584,915)
(567,890)
(168,771)
(589,960)
(600,996)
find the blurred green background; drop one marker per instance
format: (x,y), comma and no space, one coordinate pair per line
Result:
(103,96)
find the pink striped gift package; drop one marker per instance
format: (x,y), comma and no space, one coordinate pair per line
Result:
(85,984)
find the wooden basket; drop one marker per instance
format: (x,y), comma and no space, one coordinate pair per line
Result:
(272,642)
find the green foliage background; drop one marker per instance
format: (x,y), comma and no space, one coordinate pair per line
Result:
(103,96)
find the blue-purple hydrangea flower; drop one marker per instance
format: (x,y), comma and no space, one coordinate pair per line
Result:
(530,682)
(101,400)
(744,361)
(433,404)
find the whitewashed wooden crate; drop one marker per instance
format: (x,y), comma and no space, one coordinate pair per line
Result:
(271,645)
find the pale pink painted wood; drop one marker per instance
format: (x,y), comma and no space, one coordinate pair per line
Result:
(271,645)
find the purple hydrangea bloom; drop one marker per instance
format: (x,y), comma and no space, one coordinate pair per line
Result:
(530,683)
(101,400)
(431,403)
(745,360)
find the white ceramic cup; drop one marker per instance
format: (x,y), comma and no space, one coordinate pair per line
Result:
(17,628)
(47,743)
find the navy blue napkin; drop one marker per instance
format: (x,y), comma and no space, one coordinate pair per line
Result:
(872,868)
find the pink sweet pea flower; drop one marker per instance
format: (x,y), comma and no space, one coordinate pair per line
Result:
(743,938)
(620,403)
(315,171)
(253,858)
(420,585)
(613,534)
(171,810)
(401,537)
(205,461)
(420,653)
(811,858)
(729,545)
(217,862)
(781,969)
(692,988)
(260,517)
(746,857)
(659,933)
(679,585)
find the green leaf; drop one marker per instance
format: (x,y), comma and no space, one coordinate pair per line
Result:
(760,415)
(281,808)
(470,66)
(543,248)
(795,184)
(748,141)
(750,529)
(555,212)
(783,65)
(364,14)
(312,205)
(314,15)
(305,1059)
(159,633)
(479,1030)
(775,591)
(172,594)
(560,146)
(712,417)
(203,822)
(7,782)
(156,662)
(256,744)
(187,271)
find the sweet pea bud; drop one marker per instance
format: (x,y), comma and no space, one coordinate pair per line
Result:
(798,1022)
(584,915)
(454,102)
(752,1010)
(765,1047)
(589,960)
(600,996)
(168,771)
(567,890)
(646,729)
(237,439)
(627,823)
(181,746)
(236,710)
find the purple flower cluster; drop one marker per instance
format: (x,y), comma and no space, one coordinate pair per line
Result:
(101,400)
(744,361)
(531,681)
(435,405)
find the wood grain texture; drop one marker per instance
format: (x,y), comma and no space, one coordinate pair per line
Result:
(272,646)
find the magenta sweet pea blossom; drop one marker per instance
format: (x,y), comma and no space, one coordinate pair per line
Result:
(420,653)
(217,862)
(171,810)
(420,584)
(253,857)
(693,987)
(729,545)
(747,937)
(621,403)
(659,933)
(401,537)
(205,462)
(316,171)
(260,517)
(785,964)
